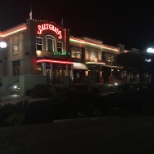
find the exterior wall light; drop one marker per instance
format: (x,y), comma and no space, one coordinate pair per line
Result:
(15,87)
(3,44)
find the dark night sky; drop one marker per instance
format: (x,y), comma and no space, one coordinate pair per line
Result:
(113,22)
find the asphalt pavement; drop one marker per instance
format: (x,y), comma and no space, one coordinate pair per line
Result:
(103,135)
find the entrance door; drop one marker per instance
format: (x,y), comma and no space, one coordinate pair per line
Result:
(94,75)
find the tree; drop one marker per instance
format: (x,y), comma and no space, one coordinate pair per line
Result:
(138,62)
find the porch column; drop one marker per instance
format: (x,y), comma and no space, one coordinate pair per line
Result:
(44,69)
(66,77)
(86,73)
(101,77)
(51,72)
(71,73)
(66,70)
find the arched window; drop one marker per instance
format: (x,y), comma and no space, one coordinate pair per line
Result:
(50,43)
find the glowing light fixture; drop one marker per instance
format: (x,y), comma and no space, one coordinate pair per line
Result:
(94,44)
(97,63)
(3,44)
(150,50)
(13,31)
(15,87)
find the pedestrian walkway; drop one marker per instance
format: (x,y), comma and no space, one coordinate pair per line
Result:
(16,98)
(10,98)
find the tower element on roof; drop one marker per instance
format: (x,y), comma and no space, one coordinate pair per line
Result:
(30,13)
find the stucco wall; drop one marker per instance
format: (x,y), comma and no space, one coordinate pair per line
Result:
(29,81)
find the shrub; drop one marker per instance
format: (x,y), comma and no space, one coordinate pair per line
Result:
(15,119)
(38,112)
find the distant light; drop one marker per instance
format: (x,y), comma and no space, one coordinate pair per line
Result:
(115,83)
(38,52)
(150,50)
(148,60)
(3,45)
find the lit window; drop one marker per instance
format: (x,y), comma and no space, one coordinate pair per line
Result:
(50,44)
(39,43)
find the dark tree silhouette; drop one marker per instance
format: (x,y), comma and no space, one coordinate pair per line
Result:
(141,61)
(137,62)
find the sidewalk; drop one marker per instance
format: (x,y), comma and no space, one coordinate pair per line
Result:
(16,98)
(103,135)
(10,98)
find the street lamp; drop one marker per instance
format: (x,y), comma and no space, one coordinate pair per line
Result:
(150,50)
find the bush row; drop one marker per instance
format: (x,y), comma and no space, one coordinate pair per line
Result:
(77,103)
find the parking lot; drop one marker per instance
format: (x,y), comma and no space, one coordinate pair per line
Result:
(108,135)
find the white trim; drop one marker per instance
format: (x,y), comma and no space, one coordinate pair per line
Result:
(79,66)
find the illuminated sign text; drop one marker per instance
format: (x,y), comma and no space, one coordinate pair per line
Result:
(51,27)
(61,53)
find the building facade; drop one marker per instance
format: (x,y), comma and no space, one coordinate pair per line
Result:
(99,58)
(43,48)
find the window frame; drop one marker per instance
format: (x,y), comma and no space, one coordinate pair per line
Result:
(60,46)
(39,44)
(53,41)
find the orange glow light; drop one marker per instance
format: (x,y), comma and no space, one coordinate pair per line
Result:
(102,46)
(13,31)
(97,63)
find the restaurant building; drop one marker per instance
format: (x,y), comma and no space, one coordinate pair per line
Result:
(41,51)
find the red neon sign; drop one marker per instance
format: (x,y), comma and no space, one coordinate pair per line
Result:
(53,61)
(51,27)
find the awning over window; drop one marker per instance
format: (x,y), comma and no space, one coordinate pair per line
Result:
(79,66)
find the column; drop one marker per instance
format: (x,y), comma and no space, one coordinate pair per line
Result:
(66,70)
(51,73)
(66,77)
(44,69)
(100,75)
(71,74)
